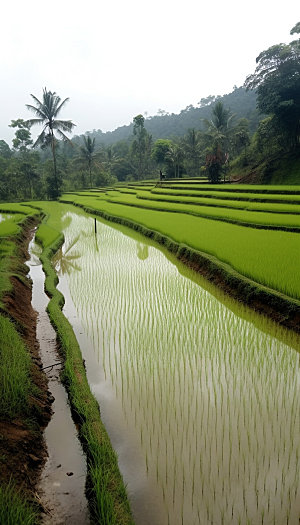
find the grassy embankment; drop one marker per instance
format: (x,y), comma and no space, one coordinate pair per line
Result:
(105,488)
(16,385)
(256,263)
(282,169)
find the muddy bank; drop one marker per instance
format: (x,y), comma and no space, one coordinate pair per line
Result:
(22,447)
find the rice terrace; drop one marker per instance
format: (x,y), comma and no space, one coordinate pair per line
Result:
(150,313)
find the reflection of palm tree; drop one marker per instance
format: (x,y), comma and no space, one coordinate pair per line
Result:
(64,262)
(66,221)
(142,251)
(35,253)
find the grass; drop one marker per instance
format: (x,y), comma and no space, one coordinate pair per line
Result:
(14,509)
(15,384)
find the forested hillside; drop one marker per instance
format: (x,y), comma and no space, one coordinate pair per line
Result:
(251,135)
(241,103)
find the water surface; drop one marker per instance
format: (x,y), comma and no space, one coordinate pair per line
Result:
(62,484)
(200,398)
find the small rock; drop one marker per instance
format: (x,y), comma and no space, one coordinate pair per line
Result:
(58,466)
(34,458)
(69,473)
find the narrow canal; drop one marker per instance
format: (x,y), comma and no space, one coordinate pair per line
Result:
(62,485)
(200,397)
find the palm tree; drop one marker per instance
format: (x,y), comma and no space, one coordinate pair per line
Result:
(46,112)
(192,151)
(175,156)
(219,127)
(87,153)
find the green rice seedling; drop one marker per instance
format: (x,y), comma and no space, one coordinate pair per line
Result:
(15,385)
(14,509)
(259,215)
(183,346)
(251,252)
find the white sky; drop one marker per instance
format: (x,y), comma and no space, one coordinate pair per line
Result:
(115,59)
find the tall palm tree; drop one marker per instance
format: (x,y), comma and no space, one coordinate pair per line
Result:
(175,155)
(219,132)
(192,150)
(87,153)
(47,112)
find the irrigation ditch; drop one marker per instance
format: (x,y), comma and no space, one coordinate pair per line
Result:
(62,483)
(53,479)
(105,489)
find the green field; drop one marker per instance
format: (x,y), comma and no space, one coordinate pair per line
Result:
(253,232)
(253,243)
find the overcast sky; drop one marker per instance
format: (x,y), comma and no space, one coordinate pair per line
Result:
(115,59)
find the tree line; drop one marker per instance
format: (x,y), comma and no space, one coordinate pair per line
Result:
(54,163)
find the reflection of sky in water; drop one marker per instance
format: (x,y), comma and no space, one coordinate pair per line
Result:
(4,216)
(203,405)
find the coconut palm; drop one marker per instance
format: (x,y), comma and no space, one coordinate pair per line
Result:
(175,156)
(46,112)
(219,127)
(191,146)
(87,154)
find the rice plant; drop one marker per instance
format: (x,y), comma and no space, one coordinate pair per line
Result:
(201,404)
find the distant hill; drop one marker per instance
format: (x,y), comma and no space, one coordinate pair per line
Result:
(241,102)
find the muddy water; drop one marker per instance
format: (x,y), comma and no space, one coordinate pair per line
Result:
(63,479)
(200,397)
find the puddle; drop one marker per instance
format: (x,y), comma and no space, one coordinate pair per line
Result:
(62,485)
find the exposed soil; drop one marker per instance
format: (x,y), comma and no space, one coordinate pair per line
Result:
(22,446)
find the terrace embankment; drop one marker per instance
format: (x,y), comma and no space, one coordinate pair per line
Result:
(22,446)
(276,305)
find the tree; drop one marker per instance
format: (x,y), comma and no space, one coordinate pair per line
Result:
(214,165)
(47,111)
(22,139)
(240,136)
(277,82)
(175,156)
(160,150)
(219,131)
(5,150)
(220,119)
(87,154)
(192,151)
(138,147)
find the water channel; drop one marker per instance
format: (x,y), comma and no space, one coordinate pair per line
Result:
(200,397)
(62,484)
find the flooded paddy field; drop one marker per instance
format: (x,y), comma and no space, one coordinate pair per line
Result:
(200,397)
